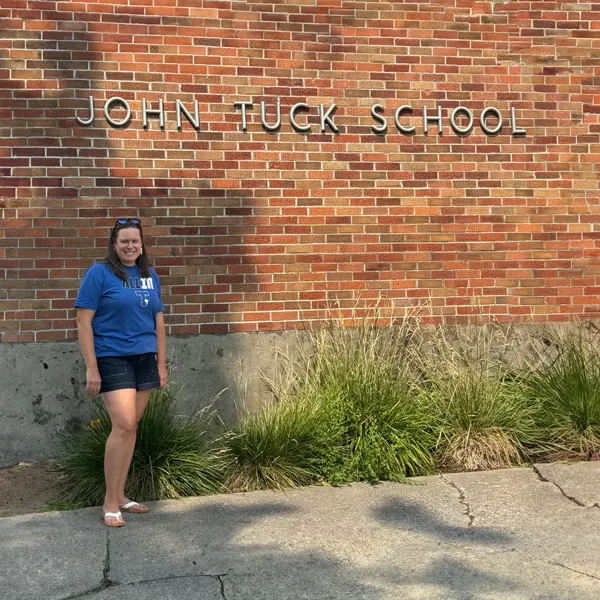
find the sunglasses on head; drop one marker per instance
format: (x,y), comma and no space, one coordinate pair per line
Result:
(125,221)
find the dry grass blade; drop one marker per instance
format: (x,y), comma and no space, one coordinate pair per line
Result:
(469,451)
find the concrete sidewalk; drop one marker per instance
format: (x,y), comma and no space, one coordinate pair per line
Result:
(514,534)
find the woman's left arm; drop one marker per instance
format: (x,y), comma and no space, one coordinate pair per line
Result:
(161,349)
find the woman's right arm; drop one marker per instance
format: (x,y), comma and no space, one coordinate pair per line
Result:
(85,335)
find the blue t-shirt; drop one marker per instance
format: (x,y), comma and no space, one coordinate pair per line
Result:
(125,318)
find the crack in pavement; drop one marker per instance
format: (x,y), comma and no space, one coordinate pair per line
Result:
(170,577)
(462,499)
(105,583)
(545,480)
(574,570)
(219,577)
(101,588)
(98,588)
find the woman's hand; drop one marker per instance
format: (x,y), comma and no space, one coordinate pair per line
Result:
(163,375)
(93,381)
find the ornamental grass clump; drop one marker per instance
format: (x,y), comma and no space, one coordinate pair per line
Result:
(483,417)
(375,426)
(484,422)
(566,384)
(372,425)
(172,458)
(273,448)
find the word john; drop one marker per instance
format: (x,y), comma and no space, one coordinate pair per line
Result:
(460,119)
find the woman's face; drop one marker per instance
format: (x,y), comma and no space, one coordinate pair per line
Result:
(128,245)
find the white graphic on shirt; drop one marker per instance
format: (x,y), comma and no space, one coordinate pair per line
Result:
(144,297)
(144,283)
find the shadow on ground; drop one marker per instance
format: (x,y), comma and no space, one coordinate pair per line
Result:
(358,541)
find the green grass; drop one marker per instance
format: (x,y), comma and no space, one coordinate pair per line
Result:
(371,423)
(566,384)
(367,403)
(483,421)
(273,448)
(483,417)
(171,458)
(376,429)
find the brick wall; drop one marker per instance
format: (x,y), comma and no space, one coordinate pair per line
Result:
(255,230)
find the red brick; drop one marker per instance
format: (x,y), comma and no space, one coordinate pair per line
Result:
(253,231)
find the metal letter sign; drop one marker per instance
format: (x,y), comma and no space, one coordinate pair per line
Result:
(429,116)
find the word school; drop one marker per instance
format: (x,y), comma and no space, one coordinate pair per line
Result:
(325,116)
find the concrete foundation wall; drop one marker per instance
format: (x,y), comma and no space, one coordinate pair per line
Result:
(42,386)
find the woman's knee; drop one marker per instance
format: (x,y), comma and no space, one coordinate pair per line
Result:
(121,406)
(124,427)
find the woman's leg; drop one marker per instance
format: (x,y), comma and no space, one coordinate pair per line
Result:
(141,401)
(121,406)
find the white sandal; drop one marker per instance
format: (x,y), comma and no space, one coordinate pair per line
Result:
(135,508)
(114,515)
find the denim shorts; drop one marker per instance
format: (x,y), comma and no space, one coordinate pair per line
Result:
(136,371)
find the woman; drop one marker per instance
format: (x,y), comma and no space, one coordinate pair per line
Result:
(121,332)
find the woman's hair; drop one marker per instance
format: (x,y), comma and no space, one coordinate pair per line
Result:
(112,260)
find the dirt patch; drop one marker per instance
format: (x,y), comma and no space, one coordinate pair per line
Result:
(26,487)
